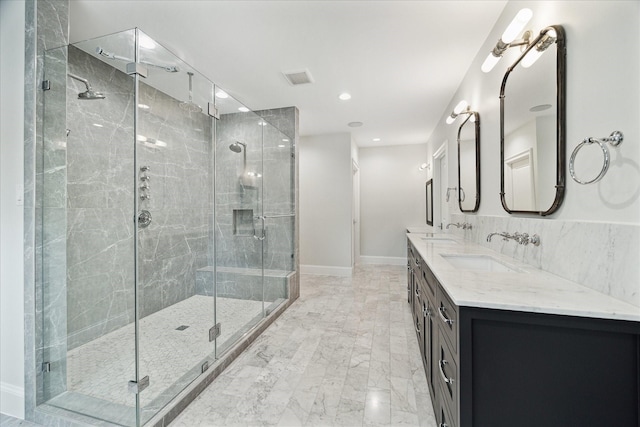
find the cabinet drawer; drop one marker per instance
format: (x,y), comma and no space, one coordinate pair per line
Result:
(444,416)
(429,279)
(447,371)
(448,319)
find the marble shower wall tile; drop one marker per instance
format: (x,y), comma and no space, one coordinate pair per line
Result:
(601,256)
(100,184)
(277,167)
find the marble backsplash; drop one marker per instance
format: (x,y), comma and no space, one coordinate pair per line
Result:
(600,256)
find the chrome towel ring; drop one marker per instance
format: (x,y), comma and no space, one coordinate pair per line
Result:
(614,139)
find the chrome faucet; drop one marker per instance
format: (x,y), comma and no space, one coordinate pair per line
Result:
(521,238)
(465,226)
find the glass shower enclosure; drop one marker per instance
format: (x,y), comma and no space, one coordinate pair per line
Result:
(166,226)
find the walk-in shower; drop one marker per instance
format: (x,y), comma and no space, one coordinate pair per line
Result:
(153,259)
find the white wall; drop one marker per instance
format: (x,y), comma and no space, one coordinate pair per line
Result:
(325,204)
(392,198)
(603,95)
(12,20)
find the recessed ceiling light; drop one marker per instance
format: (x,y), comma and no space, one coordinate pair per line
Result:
(143,106)
(344,96)
(281,146)
(243,109)
(285,139)
(376,139)
(222,94)
(354,124)
(98,125)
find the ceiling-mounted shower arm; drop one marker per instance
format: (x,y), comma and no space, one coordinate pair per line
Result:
(168,68)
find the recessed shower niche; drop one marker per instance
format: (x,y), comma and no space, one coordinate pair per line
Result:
(135,192)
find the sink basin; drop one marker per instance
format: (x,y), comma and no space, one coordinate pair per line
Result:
(480,263)
(439,239)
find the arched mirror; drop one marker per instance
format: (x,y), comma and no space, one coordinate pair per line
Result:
(469,163)
(532,127)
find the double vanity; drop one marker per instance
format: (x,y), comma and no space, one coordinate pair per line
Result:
(506,344)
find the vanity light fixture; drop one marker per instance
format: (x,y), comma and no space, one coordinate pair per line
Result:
(532,56)
(507,39)
(461,108)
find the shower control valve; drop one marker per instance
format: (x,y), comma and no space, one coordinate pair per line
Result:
(145,197)
(145,178)
(144,186)
(145,168)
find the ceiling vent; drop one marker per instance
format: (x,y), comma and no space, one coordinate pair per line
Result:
(298,77)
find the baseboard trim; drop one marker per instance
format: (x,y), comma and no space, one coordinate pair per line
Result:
(382,260)
(12,400)
(326,270)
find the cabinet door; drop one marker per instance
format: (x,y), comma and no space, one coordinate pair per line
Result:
(543,370)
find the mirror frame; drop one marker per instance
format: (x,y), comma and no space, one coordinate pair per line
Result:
(561,56)
(428,190)
(476,117)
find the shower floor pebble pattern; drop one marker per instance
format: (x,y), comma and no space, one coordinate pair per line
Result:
(103,367)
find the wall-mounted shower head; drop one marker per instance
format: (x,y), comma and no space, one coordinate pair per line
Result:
(89,93)
(236,147)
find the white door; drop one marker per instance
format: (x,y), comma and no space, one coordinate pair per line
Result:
(520,189)
(355,212)
(441,182)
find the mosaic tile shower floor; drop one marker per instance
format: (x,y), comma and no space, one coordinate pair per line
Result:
(103,367)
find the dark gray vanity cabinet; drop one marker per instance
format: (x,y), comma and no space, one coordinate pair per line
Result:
(531,370)
(501,368)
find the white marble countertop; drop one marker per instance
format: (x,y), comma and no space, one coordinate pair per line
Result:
(420,229)
(531,290)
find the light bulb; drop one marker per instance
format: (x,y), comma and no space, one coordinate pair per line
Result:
(450,120)
(516,25)
(531,57)
(462,105)
(490,62)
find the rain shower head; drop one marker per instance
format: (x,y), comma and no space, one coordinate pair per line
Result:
(236,147)
(190,106)
(89,93)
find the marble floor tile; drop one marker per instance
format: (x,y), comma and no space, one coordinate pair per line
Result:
(344,354)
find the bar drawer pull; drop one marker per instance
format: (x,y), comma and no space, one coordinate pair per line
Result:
(444,318)
(447,380)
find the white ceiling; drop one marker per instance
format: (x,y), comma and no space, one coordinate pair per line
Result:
(401,61)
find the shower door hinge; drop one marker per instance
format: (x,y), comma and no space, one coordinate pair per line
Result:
(214,332)
(46,85)
(137,68)
(46,367)
(213,111)
(136,387)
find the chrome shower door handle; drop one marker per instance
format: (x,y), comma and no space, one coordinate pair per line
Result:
(262,236)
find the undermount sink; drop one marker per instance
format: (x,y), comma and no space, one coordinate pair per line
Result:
(480,263)
(436,239)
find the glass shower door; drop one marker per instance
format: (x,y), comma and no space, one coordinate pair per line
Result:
(174,204)
(240,231)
